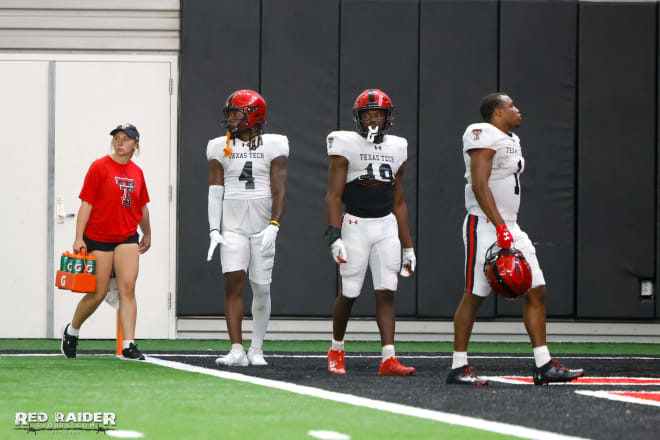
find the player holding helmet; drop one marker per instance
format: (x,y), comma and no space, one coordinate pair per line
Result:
(494,162)
(247,185)
(365,173)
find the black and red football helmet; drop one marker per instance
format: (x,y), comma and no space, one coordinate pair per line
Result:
(253,107)
(372,99)
(507,272)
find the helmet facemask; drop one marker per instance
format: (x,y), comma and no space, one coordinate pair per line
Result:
(372,134)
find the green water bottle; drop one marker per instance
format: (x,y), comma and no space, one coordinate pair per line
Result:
(78,264)
(90,268)
(64,261)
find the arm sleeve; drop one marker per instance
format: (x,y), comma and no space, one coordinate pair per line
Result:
(216,194)
(336,145)
(90,186)
(479,137)
(283,149)
(214,149)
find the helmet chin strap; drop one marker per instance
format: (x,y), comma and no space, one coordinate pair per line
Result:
(373,133)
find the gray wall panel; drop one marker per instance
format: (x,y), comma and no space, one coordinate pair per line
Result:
(388,61)
(544,89)
(299,80)
(458,66)
(211,68)
(616,162)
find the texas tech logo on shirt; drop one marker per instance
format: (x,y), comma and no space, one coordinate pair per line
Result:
(127,186)
(476,132)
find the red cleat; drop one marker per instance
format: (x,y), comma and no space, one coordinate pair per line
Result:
(392,367)
(336,362)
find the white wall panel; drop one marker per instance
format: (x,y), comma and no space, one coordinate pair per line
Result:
(24,223)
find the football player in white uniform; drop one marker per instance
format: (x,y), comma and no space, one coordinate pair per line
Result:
(493,164)
(247,185)
(365,173)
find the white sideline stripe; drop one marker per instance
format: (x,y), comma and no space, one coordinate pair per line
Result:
(608,395)
(453,419)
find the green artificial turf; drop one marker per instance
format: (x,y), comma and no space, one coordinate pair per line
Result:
(163,403)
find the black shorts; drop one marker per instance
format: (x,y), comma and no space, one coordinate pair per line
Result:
(93,245)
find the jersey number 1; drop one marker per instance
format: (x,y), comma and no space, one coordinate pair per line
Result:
(516,190)
(246,175)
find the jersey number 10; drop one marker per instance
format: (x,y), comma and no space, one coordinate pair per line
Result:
(385,171)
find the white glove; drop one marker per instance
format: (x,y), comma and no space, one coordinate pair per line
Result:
(269,235)
(338,251)
(216,239)
(408,262)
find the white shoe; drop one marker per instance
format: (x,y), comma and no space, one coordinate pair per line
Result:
(256,356)
(235,358)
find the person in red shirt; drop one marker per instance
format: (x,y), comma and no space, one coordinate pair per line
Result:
(114,201)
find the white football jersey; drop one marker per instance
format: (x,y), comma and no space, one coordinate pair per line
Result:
(371,172)
(382,161)
(247,172)
(508,164)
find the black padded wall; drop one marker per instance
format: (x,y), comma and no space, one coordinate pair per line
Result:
(657,190)
(584,75)
(458,66)
(379,42)
(538,70)
(211,69)
(299,79)
(616,158)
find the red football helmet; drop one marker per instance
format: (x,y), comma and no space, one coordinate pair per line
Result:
(372,99)
(507,271)
(253,106)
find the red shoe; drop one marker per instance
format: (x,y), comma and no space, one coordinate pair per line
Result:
(336,361)
(392,367)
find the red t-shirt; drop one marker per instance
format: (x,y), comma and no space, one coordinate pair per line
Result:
(117,194)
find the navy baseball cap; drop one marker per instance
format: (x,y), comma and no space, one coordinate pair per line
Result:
(130,129)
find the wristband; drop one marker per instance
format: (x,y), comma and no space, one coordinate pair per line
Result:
(276,223)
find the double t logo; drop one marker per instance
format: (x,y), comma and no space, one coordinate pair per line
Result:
(127,186)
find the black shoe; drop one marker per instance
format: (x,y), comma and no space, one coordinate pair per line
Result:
(132,353)
(69,344)
(553,371)
(465,376)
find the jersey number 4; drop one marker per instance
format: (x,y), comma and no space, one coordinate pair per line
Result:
(246,175)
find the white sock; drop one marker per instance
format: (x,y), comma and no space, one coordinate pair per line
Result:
(128,342)
(459,359)
(237,347)
(388,352)
(73,331)
(541,355)
(260,312)
(338,345)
